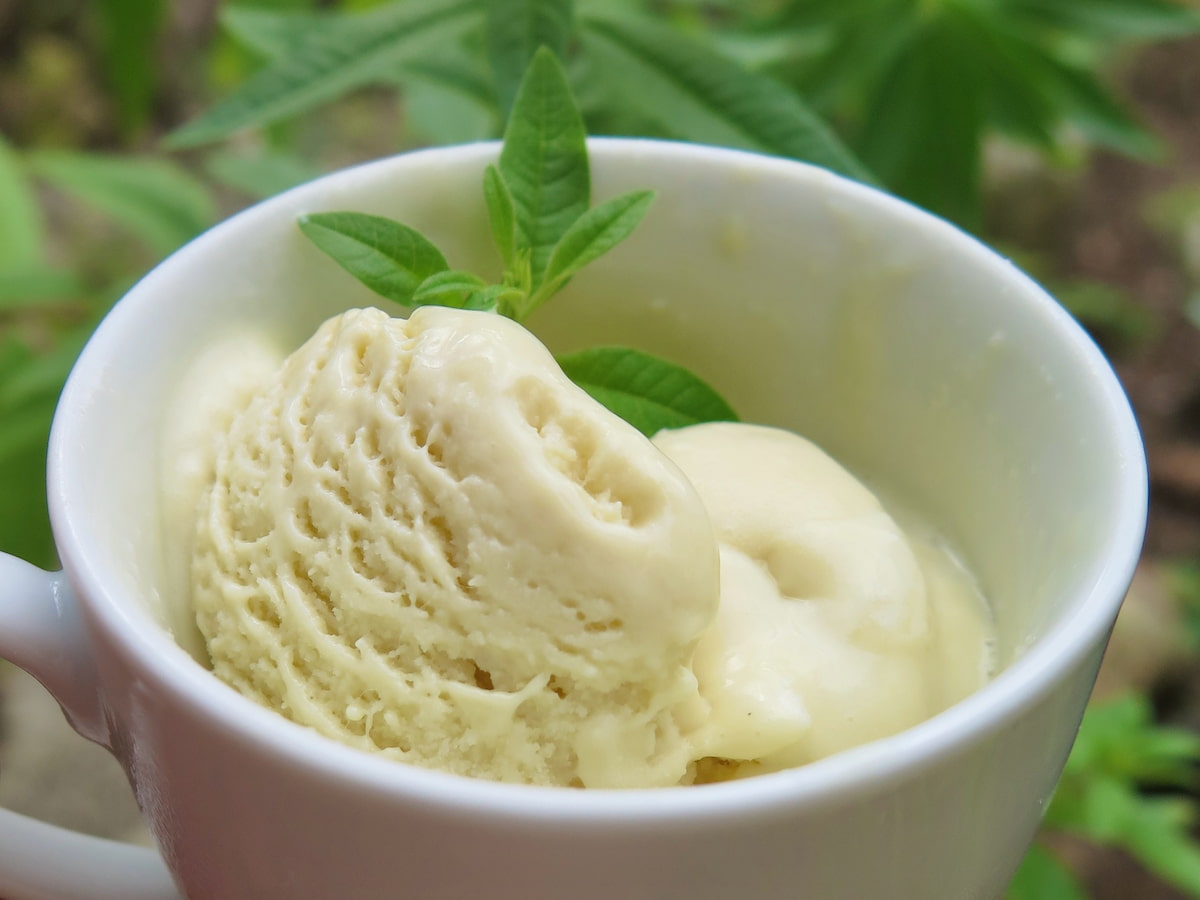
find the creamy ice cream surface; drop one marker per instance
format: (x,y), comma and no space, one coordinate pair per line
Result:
(835,626)
(420,538)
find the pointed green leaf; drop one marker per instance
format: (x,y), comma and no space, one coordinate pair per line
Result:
(594,233)
(457,71)
(128,34)
(1032,88)
(501,214)
(515,30)
(498,297)
(705,97)
(1043,877)
(923,133)
(20,217)
(272,33)
(389,258)
(447,288)
(846,71)
(160,202)
(1091,107)
(1011,69)
(646,391)
(327,63)
(544,160)
(1119,19)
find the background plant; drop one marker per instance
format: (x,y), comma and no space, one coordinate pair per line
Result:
(138,124)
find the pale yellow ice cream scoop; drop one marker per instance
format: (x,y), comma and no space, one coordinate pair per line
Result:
(423,539)
(835,627)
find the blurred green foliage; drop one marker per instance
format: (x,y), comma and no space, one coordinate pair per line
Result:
(1119,753)
(903,93)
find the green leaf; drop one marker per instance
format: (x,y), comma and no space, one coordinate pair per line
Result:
(1155,830)
(158,201)
(646,391)
(761,49)
(1043,877)
(1119,19)
(128,33)
(389,258)
(1158,834)
(594,233)
(702,96)
(607,111)
(1092,108)
(326,63)
(846,72)
(1032,88)
(449,98)
(501,213)
(1012,76)
(20,218)
(499,297)
(259,175)
(437,114)
(455,71)
(271,33)
(1120,738)
(450,287)
(515,31)
(22,287)
(923,133)
(544,160)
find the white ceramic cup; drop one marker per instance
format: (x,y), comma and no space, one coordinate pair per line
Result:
(904,347)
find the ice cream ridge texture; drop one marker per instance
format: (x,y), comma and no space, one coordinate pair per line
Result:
(420,538)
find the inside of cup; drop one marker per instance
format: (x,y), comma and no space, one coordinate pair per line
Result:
(920,360)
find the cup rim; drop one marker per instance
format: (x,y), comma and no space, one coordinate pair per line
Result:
(836,779)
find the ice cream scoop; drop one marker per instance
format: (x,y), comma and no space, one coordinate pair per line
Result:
(836,627)
(422,539)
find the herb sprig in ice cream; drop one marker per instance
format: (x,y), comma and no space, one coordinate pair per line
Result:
(419,537)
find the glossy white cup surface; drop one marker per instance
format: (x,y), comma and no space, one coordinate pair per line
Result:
(906,349)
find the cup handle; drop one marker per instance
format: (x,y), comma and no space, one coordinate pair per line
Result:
(41,631)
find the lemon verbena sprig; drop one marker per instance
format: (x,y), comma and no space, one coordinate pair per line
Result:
(538,200)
